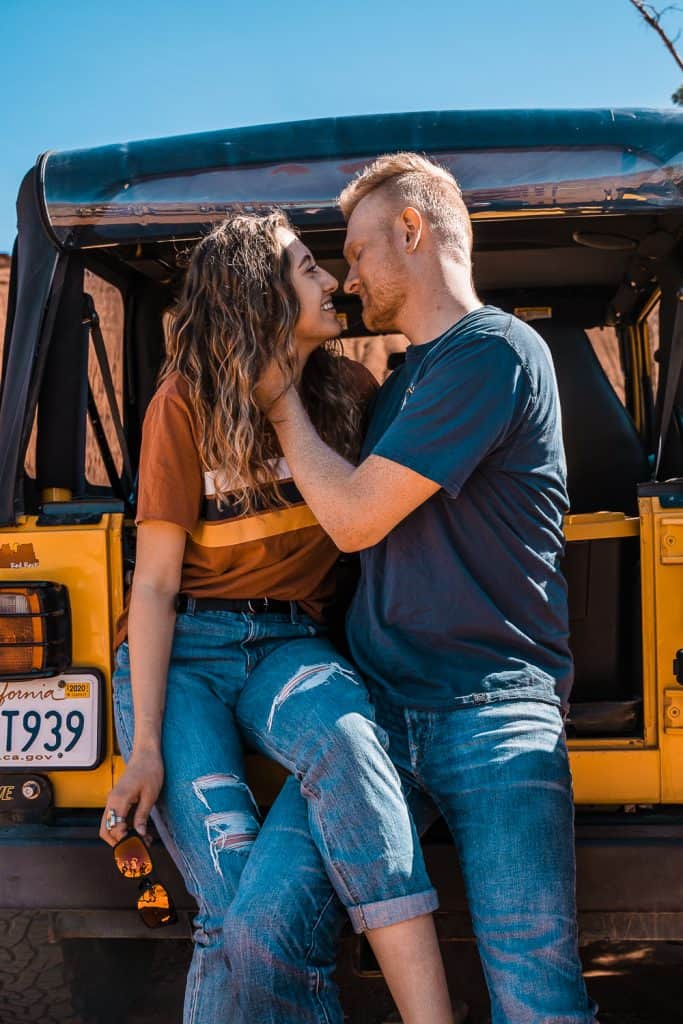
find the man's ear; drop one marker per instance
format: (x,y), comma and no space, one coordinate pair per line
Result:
(411,225)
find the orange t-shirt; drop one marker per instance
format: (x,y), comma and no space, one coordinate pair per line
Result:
(279,553)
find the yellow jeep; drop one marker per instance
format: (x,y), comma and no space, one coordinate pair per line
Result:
(578,221)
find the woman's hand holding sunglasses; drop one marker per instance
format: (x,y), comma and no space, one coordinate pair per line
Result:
(138,787)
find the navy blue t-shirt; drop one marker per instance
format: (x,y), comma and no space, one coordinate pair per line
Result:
(464,601)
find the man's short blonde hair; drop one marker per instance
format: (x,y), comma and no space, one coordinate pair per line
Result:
(413,180)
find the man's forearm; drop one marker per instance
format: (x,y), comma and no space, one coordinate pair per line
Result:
(325,479)
(356,505)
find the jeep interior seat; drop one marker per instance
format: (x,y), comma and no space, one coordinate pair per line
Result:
(606,459)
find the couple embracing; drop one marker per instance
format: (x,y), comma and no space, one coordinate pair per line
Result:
(265,452)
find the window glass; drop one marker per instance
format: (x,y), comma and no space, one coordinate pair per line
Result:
(5,265)
(166,321)
(606,347)
(374,352)
(4,292)
(109,306)
(30,459)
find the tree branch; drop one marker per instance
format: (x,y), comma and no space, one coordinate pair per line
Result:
(653,19)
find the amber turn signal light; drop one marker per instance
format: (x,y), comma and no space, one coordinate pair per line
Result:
(35,629)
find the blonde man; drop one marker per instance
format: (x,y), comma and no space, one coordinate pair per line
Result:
(460,620)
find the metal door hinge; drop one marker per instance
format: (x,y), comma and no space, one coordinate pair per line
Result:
(671,541)
(673,711)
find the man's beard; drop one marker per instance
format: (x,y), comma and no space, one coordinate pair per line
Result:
(382,306)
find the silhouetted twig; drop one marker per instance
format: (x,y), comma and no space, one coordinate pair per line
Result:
(654,19)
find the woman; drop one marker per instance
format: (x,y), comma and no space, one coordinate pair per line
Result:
(226,621)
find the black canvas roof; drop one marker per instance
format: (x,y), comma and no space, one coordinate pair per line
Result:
(508,162)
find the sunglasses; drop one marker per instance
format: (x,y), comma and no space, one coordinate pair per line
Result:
(133,860)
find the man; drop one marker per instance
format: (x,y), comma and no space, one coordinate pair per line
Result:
(460,619)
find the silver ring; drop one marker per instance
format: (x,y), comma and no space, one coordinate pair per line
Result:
(112,820)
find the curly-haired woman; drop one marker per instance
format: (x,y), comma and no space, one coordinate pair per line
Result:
(226,636)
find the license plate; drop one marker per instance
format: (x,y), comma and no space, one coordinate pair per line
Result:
(52,723)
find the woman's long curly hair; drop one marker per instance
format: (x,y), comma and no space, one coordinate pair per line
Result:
(237,311)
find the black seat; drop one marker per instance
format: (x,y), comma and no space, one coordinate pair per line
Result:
(606,458)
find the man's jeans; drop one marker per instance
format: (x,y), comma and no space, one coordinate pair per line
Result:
(229,671)
(498,772)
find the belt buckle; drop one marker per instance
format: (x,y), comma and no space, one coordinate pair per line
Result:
(251,605)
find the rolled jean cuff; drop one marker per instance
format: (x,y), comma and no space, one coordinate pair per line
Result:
(392,911)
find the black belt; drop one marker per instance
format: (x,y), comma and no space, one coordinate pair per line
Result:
(253,605)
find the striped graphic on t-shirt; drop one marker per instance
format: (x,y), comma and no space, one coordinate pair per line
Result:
(225,524)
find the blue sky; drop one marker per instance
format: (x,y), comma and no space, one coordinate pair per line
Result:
(86,72)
